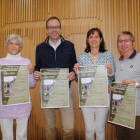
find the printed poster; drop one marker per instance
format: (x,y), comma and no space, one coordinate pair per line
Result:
(93,86)
(123,105)
(54,88)
(14,84)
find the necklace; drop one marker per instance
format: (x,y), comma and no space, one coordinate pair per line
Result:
(95,54)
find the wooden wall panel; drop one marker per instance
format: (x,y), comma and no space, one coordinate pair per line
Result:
(28,19)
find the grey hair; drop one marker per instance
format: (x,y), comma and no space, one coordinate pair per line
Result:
(126,33)
(13,37)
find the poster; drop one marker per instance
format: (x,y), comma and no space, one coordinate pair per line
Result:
(54,88)
(123,105)
(93,86)
(14,84)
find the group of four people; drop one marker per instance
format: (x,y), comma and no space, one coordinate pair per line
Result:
(56,52)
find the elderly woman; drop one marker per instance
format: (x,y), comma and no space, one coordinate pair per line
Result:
(95,54)
(19,112)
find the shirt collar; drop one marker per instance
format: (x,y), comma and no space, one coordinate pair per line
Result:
(14,57)
(47,39)
(130,57)
(57,44)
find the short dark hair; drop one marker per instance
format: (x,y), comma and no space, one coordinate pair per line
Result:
(53,18)
(126,33)
(102,45)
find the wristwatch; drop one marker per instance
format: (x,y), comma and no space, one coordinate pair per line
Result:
(137,84)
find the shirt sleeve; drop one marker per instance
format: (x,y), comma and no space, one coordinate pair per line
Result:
(110,59)
(80,60)
(73,60)
(37,60)
(32,81)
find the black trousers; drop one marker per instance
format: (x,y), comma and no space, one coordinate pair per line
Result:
(124,133)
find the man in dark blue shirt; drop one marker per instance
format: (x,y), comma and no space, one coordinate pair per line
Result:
(56,52)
